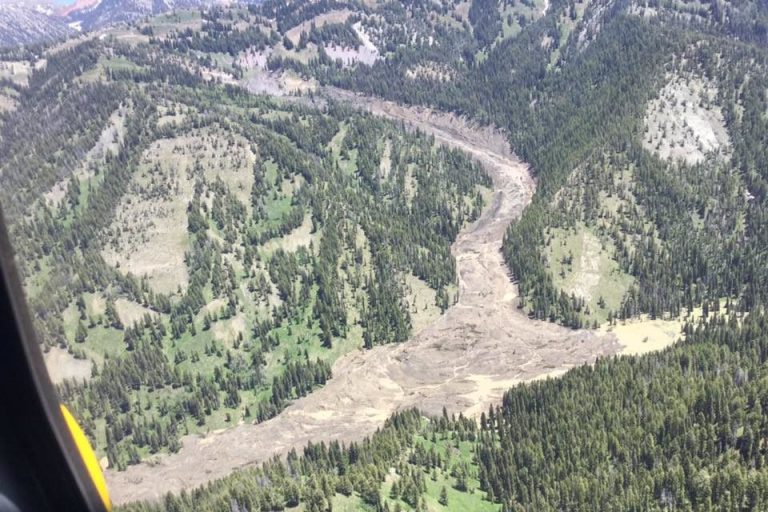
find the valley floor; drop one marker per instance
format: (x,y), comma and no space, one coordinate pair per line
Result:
(464,361)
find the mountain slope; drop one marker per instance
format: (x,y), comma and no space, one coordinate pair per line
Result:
(23,24)
(106,13)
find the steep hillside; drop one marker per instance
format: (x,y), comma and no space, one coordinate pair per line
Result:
(212,253)
(105,13)
(25,24)
(595,86)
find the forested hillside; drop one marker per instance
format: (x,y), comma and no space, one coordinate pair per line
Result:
(584,94)
(676,430)
(213,252)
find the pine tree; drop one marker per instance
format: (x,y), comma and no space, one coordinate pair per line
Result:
(443,499)
(82,332)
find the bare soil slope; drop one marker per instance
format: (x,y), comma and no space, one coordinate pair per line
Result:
(464,361)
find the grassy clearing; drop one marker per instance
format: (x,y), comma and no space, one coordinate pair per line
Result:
(104,342)
(421,301)
(16,71)
(299,237)
(581,263)
(149,235)
(303,56)
(171,114)
(178,21)
(644,334)
(130,312)
(454,452)
(336,16)
(335,145)
(109,141)
(299,340)
(119,64)
(566,25)
(62,365)
(518,14)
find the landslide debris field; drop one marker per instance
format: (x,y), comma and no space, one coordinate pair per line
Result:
(464,361)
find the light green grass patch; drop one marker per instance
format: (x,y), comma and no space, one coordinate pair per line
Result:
(420,299)
(511,14)
(177,21)
(104,342)
(582,264)
(566,24)
(455,453)
(16,71)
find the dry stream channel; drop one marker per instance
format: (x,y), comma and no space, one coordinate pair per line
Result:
(464,361)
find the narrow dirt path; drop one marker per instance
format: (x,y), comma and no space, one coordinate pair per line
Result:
(464,361)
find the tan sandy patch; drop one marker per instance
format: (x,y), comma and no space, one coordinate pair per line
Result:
(462,10)
(228,330)
(385,166)
(644,335)
(130,312)
(7,103)
(97,305)
(214,307)
(216,75)
(16,71)
(253,59)
(62,365)
(302,236)
(279,83)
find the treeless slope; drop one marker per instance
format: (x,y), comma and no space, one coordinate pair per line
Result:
(463,361)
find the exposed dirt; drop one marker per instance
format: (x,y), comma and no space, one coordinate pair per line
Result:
(365,53)
(464,361)
(8,102)
(276,83)
(253,59)
(302,236)
(349,56)
(685,123)
(588,278)
(16,71)
(62,365)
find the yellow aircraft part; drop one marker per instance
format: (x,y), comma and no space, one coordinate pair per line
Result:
(86,452)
